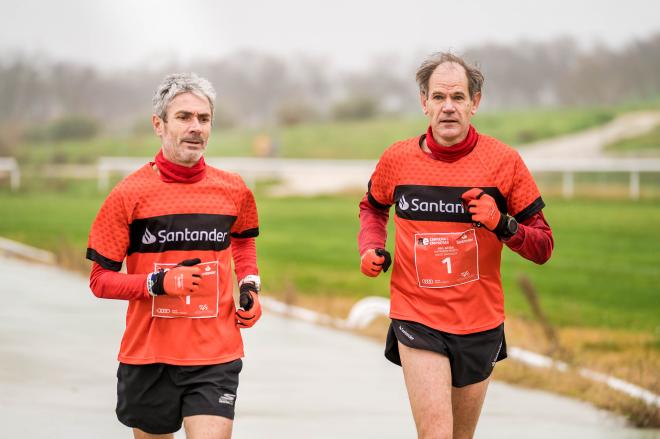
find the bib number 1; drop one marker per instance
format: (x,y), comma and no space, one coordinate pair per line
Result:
(446,259)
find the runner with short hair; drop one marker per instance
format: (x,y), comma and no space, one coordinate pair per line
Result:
(459,195)
(179,224)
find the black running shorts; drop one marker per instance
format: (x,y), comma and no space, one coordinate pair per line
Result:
(472,357)
(156,397)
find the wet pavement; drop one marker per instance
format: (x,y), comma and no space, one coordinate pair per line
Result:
(58,347)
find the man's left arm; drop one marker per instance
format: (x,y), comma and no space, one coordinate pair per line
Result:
(533,240)
(244,253)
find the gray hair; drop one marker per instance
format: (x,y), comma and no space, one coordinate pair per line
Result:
(177,83)
(474,76)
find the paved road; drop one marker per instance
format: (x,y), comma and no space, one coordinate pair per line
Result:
(58,359)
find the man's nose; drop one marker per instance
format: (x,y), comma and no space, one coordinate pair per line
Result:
(448,106)
(195,125)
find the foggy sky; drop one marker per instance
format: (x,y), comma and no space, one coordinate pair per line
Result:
(140,33)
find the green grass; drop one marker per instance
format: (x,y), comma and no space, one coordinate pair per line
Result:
(605,270)
(646,144)
(353,139)
(49,220)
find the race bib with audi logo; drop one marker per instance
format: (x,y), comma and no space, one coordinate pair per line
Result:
(446,259)
(202,304)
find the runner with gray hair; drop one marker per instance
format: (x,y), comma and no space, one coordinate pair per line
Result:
(178,224)
(177,83)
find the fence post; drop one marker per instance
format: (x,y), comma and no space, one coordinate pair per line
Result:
(15,179)
(568,185)
(634,185)
(104,178)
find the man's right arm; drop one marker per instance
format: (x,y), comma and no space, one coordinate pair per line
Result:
(374,258)
(183,279)
(108,284)
(373,226)
(374,214)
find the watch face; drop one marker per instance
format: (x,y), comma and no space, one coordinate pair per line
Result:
(512,225)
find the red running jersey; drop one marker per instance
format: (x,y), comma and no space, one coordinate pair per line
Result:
(153,224)
(446,271)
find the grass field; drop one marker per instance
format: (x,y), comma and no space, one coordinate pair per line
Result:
(647,144)
(355,139)
(604,272)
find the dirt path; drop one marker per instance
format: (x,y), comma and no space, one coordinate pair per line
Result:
(591,143)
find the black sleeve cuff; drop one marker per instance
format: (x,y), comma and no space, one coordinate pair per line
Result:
(104,262)
(530,210)
(377,204)
(249,233)
(374,202)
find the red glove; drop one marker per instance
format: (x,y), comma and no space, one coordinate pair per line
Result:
(482,208)
(250,307)
(182,280)
(375,260)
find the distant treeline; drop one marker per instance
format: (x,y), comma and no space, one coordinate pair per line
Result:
(257,88)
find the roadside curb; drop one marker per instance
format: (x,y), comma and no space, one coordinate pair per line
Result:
(19,250)
(365,310)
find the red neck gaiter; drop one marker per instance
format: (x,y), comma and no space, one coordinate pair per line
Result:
(453,152)
(173,173)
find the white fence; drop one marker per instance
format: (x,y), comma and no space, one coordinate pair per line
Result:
(569,167)
(314,176)
(9,166)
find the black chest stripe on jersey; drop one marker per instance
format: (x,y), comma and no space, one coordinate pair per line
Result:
(437,203)
(180,232)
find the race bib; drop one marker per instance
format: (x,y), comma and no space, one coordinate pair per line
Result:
(202,304)
(446,259)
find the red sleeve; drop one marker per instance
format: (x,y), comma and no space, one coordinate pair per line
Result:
(247,222)
(533,240)
(109,284)
(109,236)
(244,252)
(373,226)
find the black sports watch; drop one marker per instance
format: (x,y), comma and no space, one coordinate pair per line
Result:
(507,227)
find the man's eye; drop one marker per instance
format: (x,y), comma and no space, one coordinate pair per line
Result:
(204,119)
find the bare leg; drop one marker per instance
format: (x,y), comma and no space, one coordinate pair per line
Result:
(428,380)
(207,427)
(466,406)
(139,434)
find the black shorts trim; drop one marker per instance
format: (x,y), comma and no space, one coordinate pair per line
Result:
(156,397)
(472,357)
(104,262)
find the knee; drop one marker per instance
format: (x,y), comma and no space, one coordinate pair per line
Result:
(436,430)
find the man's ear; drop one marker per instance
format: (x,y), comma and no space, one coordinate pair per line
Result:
(422,99)
(157,124)
(476,100)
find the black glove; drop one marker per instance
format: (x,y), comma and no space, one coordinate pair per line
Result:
(388,259)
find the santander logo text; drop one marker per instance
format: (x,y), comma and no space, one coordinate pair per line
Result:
(419,205)
(185,235)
